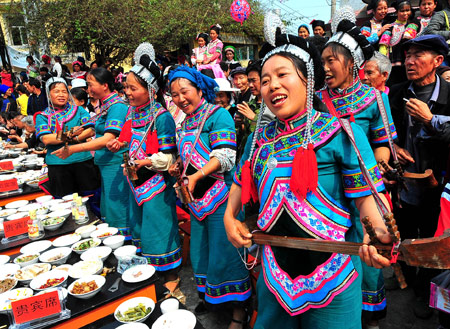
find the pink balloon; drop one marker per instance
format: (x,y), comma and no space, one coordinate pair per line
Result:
(240,10)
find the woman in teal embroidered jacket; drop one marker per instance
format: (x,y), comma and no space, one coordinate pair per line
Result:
(219,273)
(114,198)
(76,173)
(152,200)
(311,289)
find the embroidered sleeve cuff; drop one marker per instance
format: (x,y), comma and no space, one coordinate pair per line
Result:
(167,143)
(237,176)
(379,135)
(223,139)
(355,185)
(42,130)
(113,125)
(226,157)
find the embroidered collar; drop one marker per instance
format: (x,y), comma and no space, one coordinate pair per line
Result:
(60,116)
(142,115)
(194,119)
(350,89)
(292,123)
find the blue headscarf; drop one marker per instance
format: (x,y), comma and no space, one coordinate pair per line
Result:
(208,86)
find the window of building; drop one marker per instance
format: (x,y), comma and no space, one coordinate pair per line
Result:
(17,31)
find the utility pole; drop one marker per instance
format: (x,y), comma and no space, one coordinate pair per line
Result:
(333,8)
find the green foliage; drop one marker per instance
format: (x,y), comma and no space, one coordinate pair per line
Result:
(114,29)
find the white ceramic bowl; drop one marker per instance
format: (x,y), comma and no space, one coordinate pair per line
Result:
(102,226)
(52,202)
(53,227)
(66,240)
(62,295)
(40,280)
(16,204)
(96,242)
(13,295)
(12,286)
(133,325)
(68,197)
(104,233)
(100,280)
(23,264)
(44,198)
(125,251)
(61,206)
(133,302)
(85,268)
(17,215)
(85,231)
(8,270)
(60,213)
(64,267)
(7,212)
(37,246)
(180,319)
(43,267)
(97,253)
(4,259)
(64,252)
(114,241)
(30,206)
(169,305)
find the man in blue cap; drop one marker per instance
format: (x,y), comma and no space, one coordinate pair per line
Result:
(421,112)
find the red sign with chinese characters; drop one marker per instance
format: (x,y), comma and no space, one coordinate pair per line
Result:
(16,227)
(36,307)
(6,165)
(9,185)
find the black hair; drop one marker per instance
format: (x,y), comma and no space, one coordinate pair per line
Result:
(22,89)
(208,72)
(215,28)
(80,94)
(34,83)
(12,115)
(224,66)
(204,36)
(53,85)
(373,5)
(188,81)
(94,62)
(43,69)
(399,4)
(143,83)
(254,66)
(305,27)
(338,49)
(232,66)
(30,57)
(102,76)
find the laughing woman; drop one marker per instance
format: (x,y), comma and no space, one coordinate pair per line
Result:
(346,97)
(76,173)
(207,146)
(302,168)
(111,117)
(153,218)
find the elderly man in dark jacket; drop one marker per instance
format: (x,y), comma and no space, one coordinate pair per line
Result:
(421,112)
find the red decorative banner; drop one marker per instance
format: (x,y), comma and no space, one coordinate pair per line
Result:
(6,165)
(16,227)
(36,307)
(9,185)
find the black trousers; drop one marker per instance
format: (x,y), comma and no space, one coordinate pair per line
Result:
(73,178)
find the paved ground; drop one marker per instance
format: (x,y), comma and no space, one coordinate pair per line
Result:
(399,315)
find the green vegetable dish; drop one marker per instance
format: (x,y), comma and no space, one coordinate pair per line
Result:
(53,221)
(134,313)
(86,245)
(24,259)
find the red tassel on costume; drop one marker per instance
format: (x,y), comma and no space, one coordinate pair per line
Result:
(154,144)
(361,74)
(58,126)
(304,172)
(352,117)
(249,191)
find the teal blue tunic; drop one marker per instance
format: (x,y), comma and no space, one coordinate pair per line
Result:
(69,117)
(303,281)
(114,205)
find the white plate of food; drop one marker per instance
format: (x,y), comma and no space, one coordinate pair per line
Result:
(17,204)
(136,309)
(53,223)
(7,212)
(56,256)
(4,259)
(28,273)
(8,270)
(86,244)
(179,319)
(13,295)
(26,259)
(87,287)
(6,284)
(17,215)
(104,233)
(37,246)
(138,273)
(97,253)
(48,280)
(66,240)
(86,267)
(64,267)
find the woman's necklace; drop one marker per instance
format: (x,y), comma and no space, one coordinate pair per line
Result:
(272,162)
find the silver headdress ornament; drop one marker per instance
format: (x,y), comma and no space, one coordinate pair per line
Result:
(344,39)
(271,22)
(52,81)
(143,72)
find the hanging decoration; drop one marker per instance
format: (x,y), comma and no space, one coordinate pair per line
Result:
(240,10)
